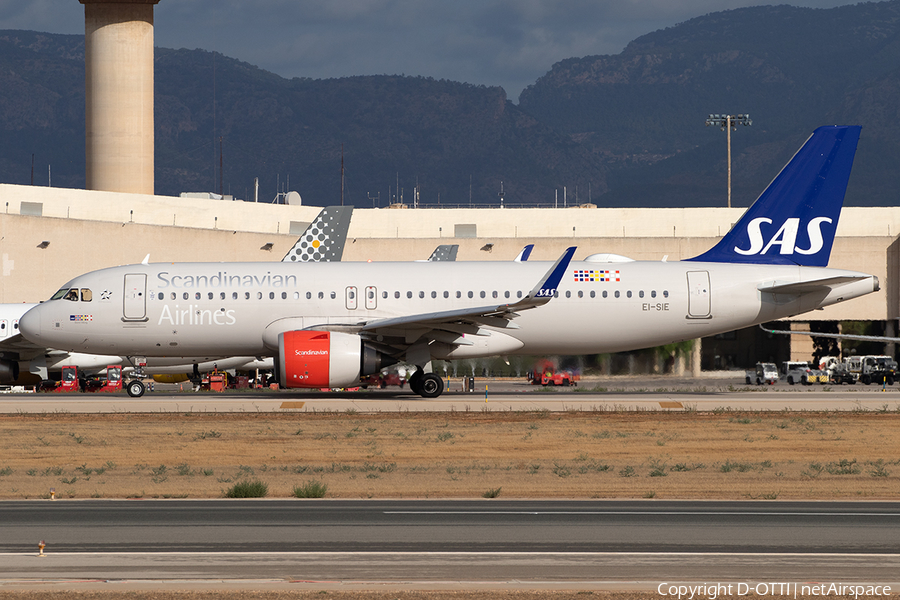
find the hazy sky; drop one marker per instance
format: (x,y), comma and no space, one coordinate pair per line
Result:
(492,42)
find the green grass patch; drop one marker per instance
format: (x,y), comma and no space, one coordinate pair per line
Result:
(311,489)
(248,489)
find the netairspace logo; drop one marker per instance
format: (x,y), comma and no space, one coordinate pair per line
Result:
(711,591)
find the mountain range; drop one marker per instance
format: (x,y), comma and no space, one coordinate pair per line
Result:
(615,130)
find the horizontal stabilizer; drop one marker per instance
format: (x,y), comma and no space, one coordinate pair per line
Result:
(805,287)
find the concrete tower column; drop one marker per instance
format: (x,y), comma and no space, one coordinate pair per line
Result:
(118,53)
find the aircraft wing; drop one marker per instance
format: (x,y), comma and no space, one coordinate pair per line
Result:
(805,287)
(837,336)
(19,345)
(468,320)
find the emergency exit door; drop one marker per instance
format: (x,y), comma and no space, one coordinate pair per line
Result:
(135,303)
(698,295)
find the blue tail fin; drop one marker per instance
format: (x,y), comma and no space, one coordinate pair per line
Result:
(794,220)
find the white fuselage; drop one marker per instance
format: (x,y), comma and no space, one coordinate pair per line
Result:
(223,309)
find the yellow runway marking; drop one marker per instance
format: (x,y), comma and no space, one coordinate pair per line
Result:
(670,405)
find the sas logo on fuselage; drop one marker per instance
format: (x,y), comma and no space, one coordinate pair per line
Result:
(785,238)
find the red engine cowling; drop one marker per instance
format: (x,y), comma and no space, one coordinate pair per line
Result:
(325,359)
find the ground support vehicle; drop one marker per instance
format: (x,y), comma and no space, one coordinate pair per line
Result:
(837,370)
(877,369)
(800,372)
(546,373)
(382,380)
(763,373)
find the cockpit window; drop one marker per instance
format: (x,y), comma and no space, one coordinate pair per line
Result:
(86,295)
(72,295)
(60,294)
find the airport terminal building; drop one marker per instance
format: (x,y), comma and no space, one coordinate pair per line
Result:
(50,235)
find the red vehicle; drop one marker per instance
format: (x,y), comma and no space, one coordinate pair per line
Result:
(69,381)
(546,373)
(113,381)
(382,380)
(72,382)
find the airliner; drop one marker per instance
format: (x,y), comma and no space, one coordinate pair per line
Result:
(323,240)
(328,324)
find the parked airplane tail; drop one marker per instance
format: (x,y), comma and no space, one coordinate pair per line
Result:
(794,220)
(323,240)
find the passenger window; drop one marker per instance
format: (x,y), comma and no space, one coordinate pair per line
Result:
(641,293)
(519,294)
(494,294)
(628,293)
(665,293)
(196,295)
(458,294)
(653,293)
(434,294)
(259,295)
(351,294)
(174,296)
(246,295)
(556,293)
(471,294)
(210,295)
(617,293)
(568,294)
(409,294)
(421,294)
(234,295)
(86,295)
(384,295)
(593,294)
(271,295)
(446,294)
(506,294)
(333,295)
(221,295)
(580,294)
(296,295)
(309,295)
(321,295)
(186,295)
(605,293)
(482,294)
(396,294)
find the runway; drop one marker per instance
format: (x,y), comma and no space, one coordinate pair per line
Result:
(487,542)
(499,396)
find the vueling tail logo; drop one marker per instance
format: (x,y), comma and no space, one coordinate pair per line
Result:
(785,238)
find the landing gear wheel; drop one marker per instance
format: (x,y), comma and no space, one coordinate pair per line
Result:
(431,386)
(415,380)
(135,388)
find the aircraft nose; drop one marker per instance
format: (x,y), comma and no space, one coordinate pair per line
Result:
(30,325)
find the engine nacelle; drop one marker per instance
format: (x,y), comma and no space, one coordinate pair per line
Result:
(9,371)
(326,359)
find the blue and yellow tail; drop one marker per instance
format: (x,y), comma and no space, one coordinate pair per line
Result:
(794,220)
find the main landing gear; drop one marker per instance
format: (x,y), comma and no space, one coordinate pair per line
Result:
(427,385)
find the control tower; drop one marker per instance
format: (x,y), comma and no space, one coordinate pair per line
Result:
(118,54)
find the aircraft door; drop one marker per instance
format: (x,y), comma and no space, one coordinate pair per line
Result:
(351,298)
(135,302)
(371,297)
(698,295)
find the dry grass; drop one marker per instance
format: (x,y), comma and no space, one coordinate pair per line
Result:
(406,455)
